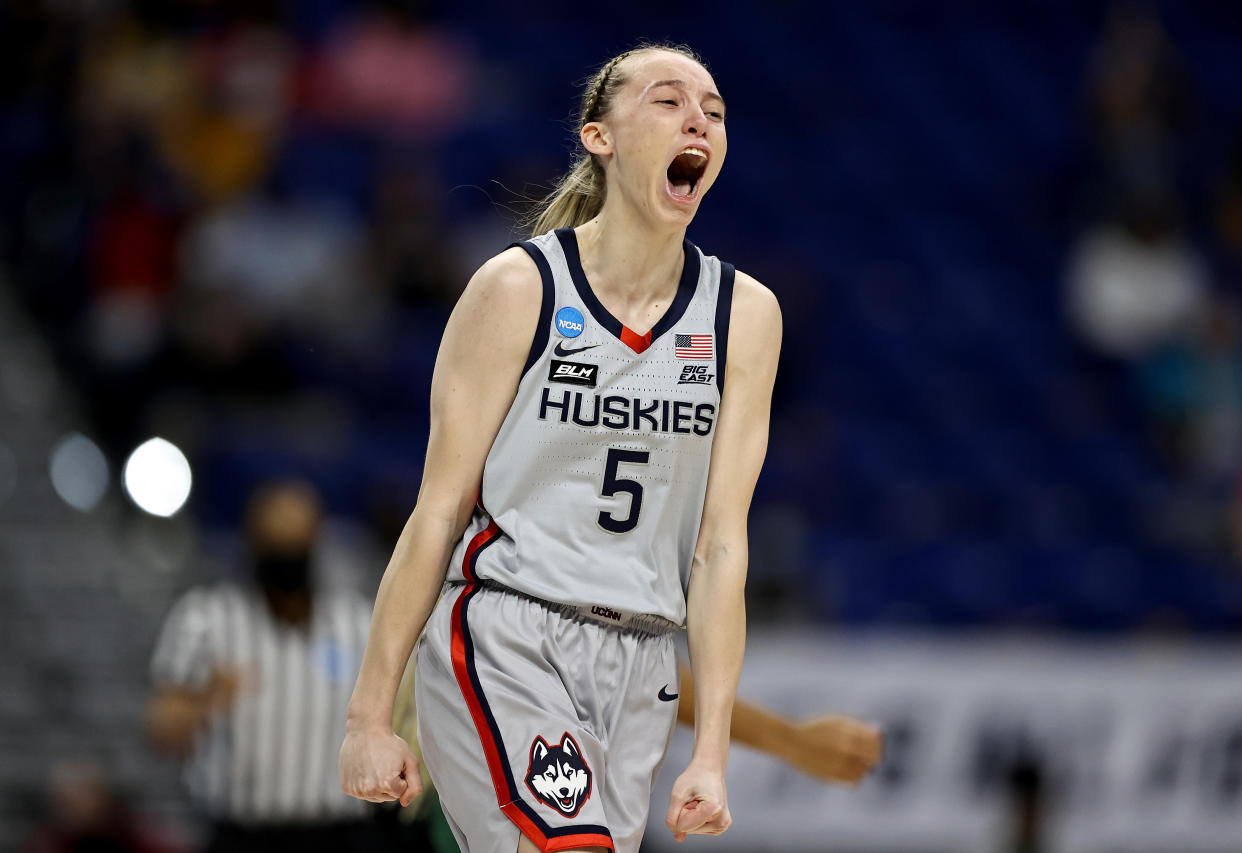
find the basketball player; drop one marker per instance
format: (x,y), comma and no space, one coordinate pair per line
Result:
(608,385)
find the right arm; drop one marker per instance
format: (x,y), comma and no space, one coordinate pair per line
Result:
(189,685)
(478,367)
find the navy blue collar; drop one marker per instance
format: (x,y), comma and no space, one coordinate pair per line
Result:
(685,292)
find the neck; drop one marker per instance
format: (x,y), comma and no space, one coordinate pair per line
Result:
(292,608)
(625,257)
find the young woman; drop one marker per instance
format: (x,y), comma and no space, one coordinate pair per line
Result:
(599,416)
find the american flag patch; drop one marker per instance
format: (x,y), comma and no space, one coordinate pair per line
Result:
(693,346)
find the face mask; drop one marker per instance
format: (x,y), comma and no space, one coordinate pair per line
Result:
(283,572)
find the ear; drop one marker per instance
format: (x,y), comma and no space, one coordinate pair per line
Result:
(539,749)
(596,138)
(568,745)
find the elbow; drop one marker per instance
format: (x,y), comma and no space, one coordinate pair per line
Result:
(720,566)
(448,515)
(721,553)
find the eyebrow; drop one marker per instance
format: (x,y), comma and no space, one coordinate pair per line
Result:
(680,84)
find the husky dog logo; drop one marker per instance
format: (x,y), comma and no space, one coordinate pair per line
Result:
(559,775)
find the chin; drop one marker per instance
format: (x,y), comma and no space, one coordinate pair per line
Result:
(680,210)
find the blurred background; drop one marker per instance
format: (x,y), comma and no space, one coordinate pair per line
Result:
(1000,512)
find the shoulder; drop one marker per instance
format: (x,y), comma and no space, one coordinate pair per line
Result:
(198,599)
(203,603)
(503,297)
(193,621)
(510,276)
(756,314)
(750,294)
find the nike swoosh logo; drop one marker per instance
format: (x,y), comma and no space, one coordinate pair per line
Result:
(562,351)
(665,696)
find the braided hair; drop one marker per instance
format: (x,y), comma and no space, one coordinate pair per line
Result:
(579,195)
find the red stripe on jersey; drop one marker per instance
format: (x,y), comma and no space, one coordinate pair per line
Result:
(480,539)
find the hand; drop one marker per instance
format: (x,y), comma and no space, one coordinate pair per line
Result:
(175,715)
(699,804)
(836,749)
(223,687)
(377,766)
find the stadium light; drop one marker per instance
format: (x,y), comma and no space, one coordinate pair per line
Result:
(157,477)
(79,471)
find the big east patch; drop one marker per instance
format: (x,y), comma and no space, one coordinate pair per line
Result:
(559,775)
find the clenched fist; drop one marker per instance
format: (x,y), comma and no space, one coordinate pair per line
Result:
(699,804)
(377,766)
(835,748)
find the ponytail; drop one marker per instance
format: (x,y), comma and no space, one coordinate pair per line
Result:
(577,197)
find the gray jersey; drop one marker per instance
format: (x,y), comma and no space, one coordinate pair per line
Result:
(593,489)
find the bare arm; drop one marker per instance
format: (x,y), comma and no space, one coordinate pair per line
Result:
(832,748)
(716,611)
(478,367)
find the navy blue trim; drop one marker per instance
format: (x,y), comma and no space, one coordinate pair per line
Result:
(540,342)
(685,288)
(724,309)
(514,796)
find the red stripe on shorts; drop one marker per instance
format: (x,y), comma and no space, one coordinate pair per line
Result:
(491,751)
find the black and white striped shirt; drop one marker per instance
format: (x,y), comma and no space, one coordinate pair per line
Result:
(272,756)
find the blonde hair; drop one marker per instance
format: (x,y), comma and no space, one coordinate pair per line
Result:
(579,195)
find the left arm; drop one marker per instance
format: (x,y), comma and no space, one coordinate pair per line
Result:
(832,748)
(715,607)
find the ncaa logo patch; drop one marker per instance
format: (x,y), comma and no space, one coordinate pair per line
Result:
(569,322)
(558,775)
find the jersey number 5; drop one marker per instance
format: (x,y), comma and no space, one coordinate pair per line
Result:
(614,484)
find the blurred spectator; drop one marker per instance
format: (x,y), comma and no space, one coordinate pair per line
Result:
(388,71)
(221,140)
(132,273)
(290,262)
(1235,523)
(1228,215)
(410,240)
(251,681)
(85,815)
(212,104)
(1140,105)
(1135,284)
(1193,392)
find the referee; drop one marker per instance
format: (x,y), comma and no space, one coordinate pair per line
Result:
(251,681)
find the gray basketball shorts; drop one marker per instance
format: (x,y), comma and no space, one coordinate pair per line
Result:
(539,722)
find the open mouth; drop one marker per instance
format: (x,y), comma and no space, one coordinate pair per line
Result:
(567,803)
(685,172)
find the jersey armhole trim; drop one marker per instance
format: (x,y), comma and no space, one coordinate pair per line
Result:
(540,341)
(724,307)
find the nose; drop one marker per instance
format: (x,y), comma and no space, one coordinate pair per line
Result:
(696,121)
(564,792)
